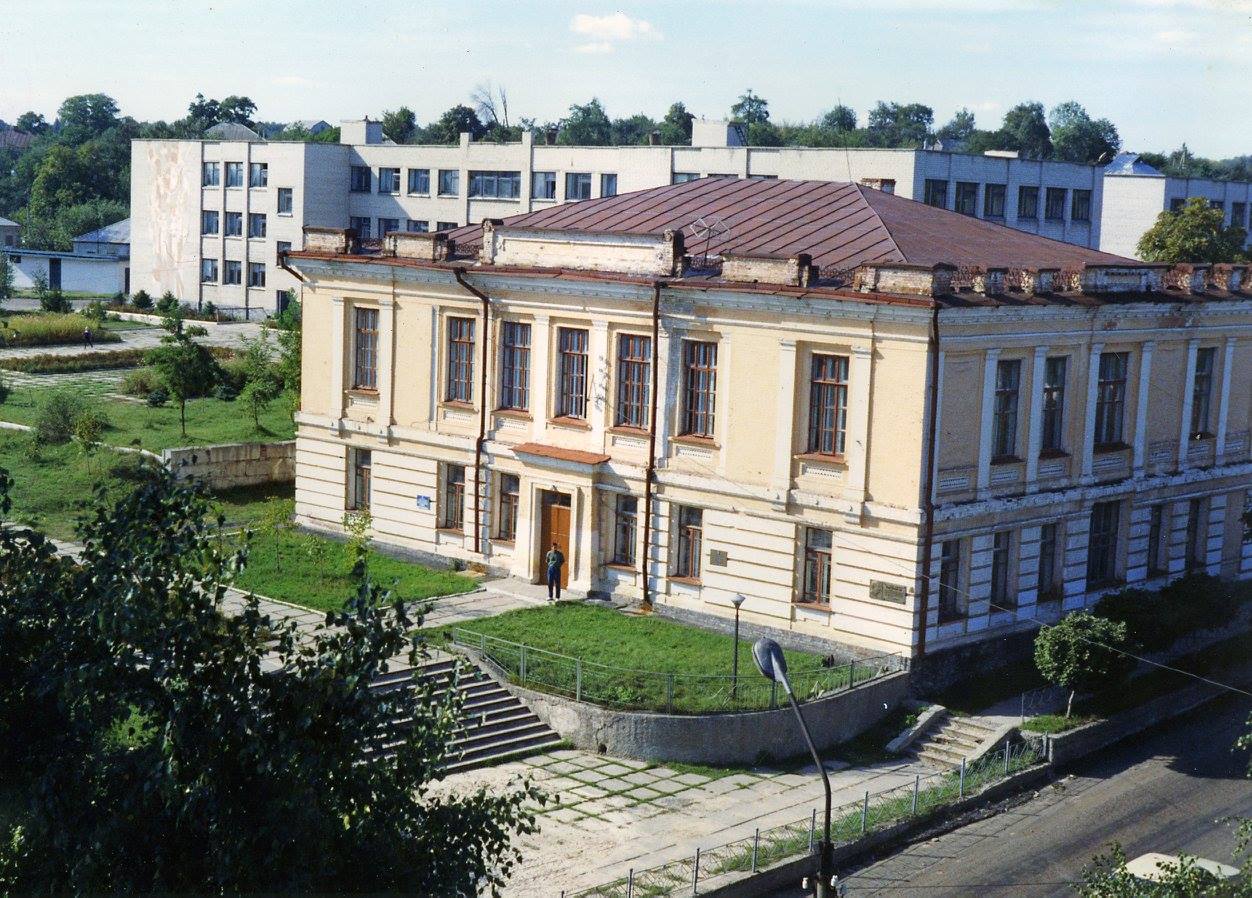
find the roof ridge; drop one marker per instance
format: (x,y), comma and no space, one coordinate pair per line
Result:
(860,189)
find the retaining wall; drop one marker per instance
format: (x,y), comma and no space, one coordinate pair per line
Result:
(235,464)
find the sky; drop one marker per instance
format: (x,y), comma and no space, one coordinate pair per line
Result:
(1164,71)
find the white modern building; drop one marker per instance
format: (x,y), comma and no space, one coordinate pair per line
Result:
(212,217)
(98,264)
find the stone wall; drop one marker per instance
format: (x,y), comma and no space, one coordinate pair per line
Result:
(235,464)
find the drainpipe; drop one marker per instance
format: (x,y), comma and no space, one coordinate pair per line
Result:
(482,410)
(928,505)
(650,474)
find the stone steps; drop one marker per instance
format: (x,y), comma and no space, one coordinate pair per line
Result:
(949,740)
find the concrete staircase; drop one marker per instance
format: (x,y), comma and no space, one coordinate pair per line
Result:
(495,725)
(949,738)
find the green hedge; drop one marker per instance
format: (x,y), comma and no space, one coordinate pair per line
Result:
(49,363)
(1155,620)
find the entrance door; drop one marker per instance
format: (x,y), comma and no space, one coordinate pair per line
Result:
(555,529)
(54,274)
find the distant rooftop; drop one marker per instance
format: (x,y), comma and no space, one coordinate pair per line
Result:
(118,232)
(1130,164)
(5,223)
(13,139)
(231,131)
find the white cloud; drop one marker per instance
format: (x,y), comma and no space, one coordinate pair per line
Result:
(605,32)
(594,48)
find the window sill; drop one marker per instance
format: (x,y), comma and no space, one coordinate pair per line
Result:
(388,193)
(425,195)
(686,581)
(822,458)
(626,430)
(447,196)
(450,531)
(1053,453)
(1105,448)
(285,214)
(815,606)
(458,405)
(515,414)
(502,543)
(620,566)
(691,439)
(1006,460)
(566,421)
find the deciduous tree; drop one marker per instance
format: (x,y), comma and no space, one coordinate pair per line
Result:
(1082,652)
(1195,233)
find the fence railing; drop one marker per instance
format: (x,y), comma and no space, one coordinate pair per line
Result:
(712,867)
(680,693)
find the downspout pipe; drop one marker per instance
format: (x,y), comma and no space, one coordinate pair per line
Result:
(458,273)
(928,490)
(650,473)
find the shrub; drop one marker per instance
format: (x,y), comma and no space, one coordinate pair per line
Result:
(117,299)
(234,372)
(60,416)
(208,310)
(158,397)
(167,303)
(89,427)
(140,382)
(49,329)
(95,311)
(141,300)
(1156,619)
(54,301)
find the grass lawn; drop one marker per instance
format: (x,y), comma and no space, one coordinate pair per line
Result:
(315,572)
(209,420)
(48,329)
(245,506)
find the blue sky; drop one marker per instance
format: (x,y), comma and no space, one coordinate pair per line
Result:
(1163,70)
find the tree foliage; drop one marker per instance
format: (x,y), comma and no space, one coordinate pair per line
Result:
(184,367)
(1076,137)
(262,380)
(586,125)
(1082,652)
(675,127)
(1195,233)
(750,109)
(449,126)
(899,125)
(1107,877)
(400,125)
(163,745)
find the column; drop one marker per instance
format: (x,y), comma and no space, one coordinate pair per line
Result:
(784,426)
(598,385)
(1139,455)
(860,370)
(986,419)
(1088,433)
(540,365)
(386,359)
(339,349)
(934,459)
(1223,402)
(1188,390)
(1034,439)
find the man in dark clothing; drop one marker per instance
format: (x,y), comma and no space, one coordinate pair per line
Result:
(87,336)
(555,561)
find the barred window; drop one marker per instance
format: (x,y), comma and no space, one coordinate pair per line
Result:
(828,404)
(365,354)
(1004,433)
(1202,393)
(1102,545)
(951,598)
(699,387)
(571,399)
(1111,398)
(506,527)
(460,360)
(361,462)
(452,498)
(625,524)
(1054,372)
(690,542)
(1049,553)
(634,380)
(515,365)
(817,563)
(1002,594)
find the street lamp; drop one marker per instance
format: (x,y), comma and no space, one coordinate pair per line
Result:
(734,662)
(773,666)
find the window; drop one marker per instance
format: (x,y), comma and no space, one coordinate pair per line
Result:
(234,174)
(285,201)
(1110,399)
(951,597)
(1080,206)
(1219,205)
(1055,208)
(360,224)
(232,272)
(571,397)
(361,462)
(1004,410)
(993,201)
(1239,215)
(417,226)
(1176,204)
(1028,202)
(577,186)
(506,526)
(699,387)
(936,193)
(1202,393)
(419,181)
(625,523)
(634,380)
(449,182)
(460,360)
(234,224)
(258,174)
(828,404)
(1102,548)
(389,180)
(256,274)
(208,271)
(387,226)
(543,185)
(452,498)
(1195,535)
(1157,549)
(360,179)
(281,248)
(365,350)
(208,222)
(966,197)
(515,365)
(1054,370)
(1049,556)
(817,556)
(608,185)
(682,177)
(256,224)
(501,185)
(446,225)
(690,542)
(211,174)
(1003,596)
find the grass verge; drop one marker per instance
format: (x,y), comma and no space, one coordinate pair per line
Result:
(49,329)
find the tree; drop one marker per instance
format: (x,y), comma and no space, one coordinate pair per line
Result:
(1195,233)
(289,338)
(400,125)
(1076,137)
(586,125)
(1026,130)
(632,131)
(184,367)
(239,110)
(32,123)
(959,129)
(491,102)
(840,118)
(1082,652)
(449,126)
(675,128)
(160,751)
(85,116)
(1107,877)
(750,108)
(6,279)
(899,125)
(261,381)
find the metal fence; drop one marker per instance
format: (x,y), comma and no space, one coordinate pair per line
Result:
(627,689)
(709,868)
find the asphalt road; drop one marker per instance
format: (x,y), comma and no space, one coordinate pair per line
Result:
(1170,790)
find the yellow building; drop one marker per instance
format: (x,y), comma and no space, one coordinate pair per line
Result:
(851,389)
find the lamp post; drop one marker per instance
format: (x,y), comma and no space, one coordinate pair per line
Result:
(773,666)
(734,662)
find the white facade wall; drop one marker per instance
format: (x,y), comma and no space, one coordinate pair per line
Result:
(1133,202)
(102,275)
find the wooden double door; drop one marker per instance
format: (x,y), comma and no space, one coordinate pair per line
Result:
(554,528)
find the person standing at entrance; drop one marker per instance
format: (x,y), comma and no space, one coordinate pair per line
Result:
(555,561)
